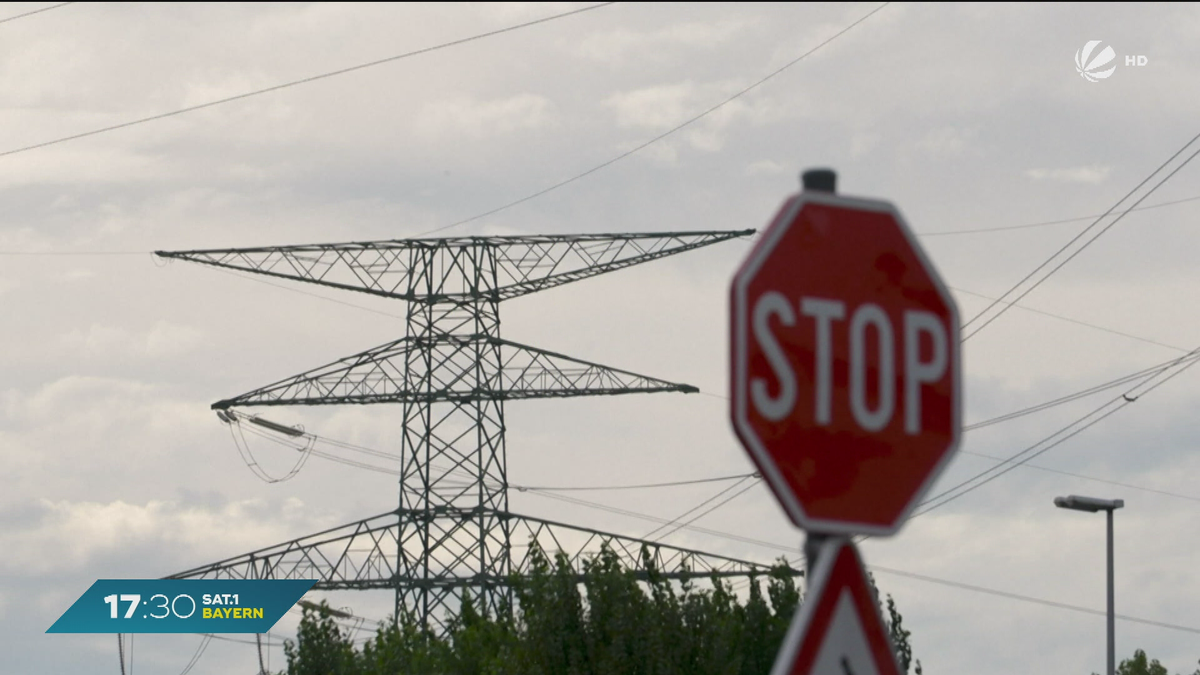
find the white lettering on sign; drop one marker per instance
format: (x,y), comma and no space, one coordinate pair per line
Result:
(825,312)
(872,420)
(917,371)
(867,317)
(779,407)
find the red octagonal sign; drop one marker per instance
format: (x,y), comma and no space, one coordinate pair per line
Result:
(845,364)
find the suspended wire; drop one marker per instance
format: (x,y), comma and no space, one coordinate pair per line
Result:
(239,439)
(1070,320)
(1004,228)
(1077,237)
(665,134)
(121,651)
(1084,393)
(259,280)
(306,80)
(204,642)
(638,486)
(468,479)
(1033,451)
(888,570)
(1087,229)
(1069,431)
(36,11)
(707,511)
(648,536)
(1131,486)
(1030,598)
(262,668)
(749,238)
(226,638)
(655,519)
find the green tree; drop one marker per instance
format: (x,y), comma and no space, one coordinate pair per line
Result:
(899,635)
(1140,664)
(605,621)
(321,647)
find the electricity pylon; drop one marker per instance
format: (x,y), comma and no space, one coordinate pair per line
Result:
(451,374)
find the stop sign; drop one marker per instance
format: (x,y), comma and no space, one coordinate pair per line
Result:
(845,364)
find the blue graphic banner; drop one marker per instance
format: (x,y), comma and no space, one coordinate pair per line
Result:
(181,606)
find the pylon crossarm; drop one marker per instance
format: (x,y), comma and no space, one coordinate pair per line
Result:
(679,561)
(378,375)
(531,266)
(529,372)
(361,554)
(442,270)
(344,556)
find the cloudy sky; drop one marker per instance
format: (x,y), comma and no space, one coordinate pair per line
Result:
(968,117)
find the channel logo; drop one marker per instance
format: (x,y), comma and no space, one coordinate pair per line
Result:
(1090,64)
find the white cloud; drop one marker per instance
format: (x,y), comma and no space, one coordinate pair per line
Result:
(659,107)
(767,167)
(82,532)
(948,142)
(162,340)
(467,117)
(624,45)
(1094,174)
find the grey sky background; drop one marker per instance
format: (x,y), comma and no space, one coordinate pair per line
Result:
(966,116)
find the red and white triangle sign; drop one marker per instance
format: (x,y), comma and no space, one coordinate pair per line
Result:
(838,629)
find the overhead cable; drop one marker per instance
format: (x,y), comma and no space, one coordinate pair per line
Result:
(305,80)
(1063,250)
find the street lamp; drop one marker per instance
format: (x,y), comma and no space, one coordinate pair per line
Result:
(1093,505)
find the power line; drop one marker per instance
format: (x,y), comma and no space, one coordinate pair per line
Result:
(307,448)
(1144,373)
(661,136)
(656,519)
(36,11)
(1070,320)
(89,253)
(749,239)
(1077,237)
(306,80)
(204,642)
(690,511)
(1080,394)
(1030,598)
(577,488)
(1066,433)
(709,510)
(914,575)
(308,293)
(1086,477)
(1005,228)
(214,636)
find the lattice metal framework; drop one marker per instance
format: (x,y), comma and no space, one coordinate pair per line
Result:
(363,555)
(451,374)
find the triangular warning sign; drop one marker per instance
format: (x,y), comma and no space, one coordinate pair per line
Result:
(838,629)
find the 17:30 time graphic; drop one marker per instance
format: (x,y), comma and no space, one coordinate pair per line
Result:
(168,605)
(181,606)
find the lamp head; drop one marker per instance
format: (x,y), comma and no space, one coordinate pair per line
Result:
(1089,504)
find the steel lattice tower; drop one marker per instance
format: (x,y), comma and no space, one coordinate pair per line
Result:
(451,374)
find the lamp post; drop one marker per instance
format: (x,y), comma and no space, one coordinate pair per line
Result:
(1093,505)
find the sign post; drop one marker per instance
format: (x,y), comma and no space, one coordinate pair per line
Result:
(845,380)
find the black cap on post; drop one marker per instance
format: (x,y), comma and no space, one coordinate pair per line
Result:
(819,180)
